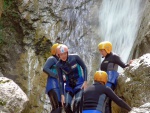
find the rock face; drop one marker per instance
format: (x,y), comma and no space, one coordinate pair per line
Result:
(142,44)
(134,85)
(142,109)
(12,98)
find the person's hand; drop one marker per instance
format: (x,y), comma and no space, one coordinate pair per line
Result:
(130,62)
(62,100)
(84,85)
(64,78)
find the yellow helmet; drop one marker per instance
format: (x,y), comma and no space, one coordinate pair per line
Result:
(106,45)
(100,76)
(53,48)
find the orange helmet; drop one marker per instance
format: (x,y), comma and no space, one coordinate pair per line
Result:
(62,49)
(106,45)
(100,76)
(53,48)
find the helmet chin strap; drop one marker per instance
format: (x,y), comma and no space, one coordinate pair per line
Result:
(67,56)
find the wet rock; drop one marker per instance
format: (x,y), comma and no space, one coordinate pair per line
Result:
(133,84)
(145,108)
(12,98)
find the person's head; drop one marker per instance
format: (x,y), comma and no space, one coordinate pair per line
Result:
(101,76)
(53,48)
(105,48)
(62,52)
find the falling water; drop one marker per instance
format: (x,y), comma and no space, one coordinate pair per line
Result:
(32,63)
(29,60)
(119,24)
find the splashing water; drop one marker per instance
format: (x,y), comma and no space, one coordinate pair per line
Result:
(119,24)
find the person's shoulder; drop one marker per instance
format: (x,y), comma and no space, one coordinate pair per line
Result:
(108,89)
(89,88)
(51,58)
(115,55)
(73,55)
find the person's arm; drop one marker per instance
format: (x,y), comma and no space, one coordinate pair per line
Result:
(47,67)
(110,93)
(120,62)
(61,83)
(84,68)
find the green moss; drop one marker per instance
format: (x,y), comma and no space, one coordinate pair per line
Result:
(42,46)
(2,103)
(2,82)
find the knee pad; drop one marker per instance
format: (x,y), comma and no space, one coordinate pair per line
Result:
(68,108)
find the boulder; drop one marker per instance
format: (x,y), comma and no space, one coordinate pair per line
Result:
(134,86)
(12,98)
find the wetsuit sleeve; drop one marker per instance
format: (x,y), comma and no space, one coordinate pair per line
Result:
(47,67)
(81,63)
(61,82)
(110,93)
(120,62)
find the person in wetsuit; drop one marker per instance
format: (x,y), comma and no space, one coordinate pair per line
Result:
(52,86)
(76,78)
(110,65)
(93,96)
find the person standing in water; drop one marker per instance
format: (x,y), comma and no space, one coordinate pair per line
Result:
(52,86)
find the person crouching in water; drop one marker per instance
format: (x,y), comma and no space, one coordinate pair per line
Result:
(93,96)
(72,66)
(52,86)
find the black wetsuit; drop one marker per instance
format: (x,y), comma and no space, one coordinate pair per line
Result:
(110,63)
(93,98)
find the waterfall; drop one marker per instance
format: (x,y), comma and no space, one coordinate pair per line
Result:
(119,24)
(29,61)
(30,68)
